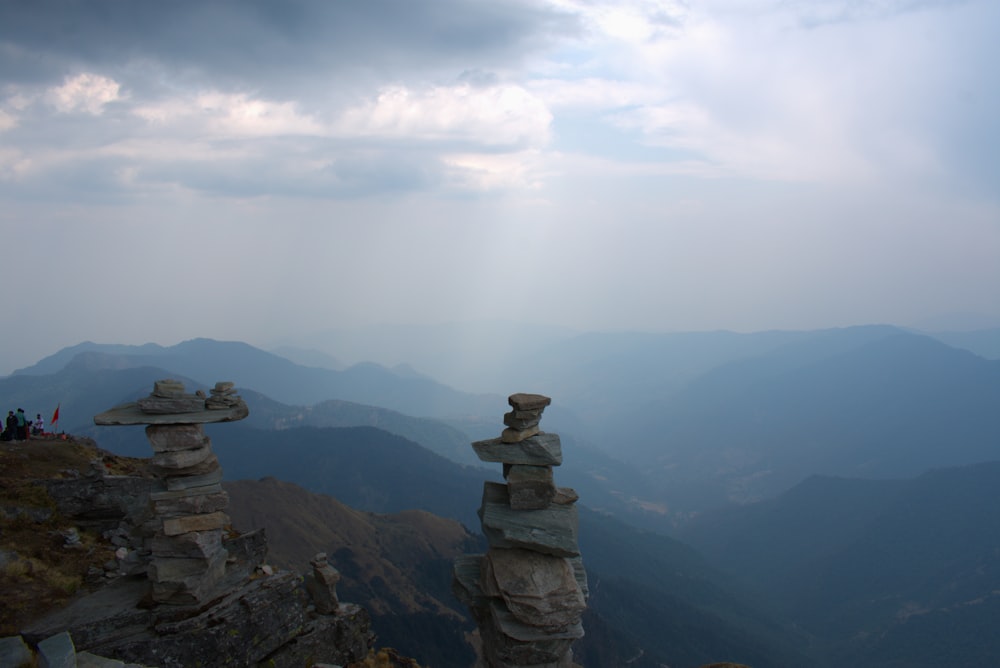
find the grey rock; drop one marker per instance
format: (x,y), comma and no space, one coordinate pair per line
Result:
(187,482)
(530,487)
(551,530)
(57,652)
(174,526)
(465,580)
(168,387)
(544,449)
(171,405)
(129,414)
(88,660)
(581,575)
(522,419)
(322,585)
(523,401)
(539,590)
(194,544)
(181,459)
(565,496)
(507,642)
(207,496)
(187,581)
(14,652)
(511,435)
(168,438)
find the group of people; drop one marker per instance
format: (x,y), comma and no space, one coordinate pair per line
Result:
(19,428)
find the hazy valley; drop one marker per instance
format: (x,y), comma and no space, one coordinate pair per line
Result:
(778,498)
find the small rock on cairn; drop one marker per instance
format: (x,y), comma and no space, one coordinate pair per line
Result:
(529,591)
(187,560)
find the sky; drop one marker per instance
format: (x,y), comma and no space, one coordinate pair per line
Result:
(258,171)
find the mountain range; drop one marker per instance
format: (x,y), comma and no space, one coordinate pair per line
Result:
(839,483)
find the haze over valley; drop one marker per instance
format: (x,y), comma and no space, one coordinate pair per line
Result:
(779,475)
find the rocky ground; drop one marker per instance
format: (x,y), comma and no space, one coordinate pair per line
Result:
(44,559)
(55,568)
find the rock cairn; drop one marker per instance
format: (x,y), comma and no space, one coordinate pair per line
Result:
(528,592)
(322,585)
(187,560)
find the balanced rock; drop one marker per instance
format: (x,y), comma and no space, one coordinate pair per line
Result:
(522,401)
(540,450)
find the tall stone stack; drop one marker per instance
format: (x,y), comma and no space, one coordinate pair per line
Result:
(187,560)
(529,591)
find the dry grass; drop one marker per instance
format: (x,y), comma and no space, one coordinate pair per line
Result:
(385,658)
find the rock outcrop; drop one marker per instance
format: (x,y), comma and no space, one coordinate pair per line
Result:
(528,592)
(186,590)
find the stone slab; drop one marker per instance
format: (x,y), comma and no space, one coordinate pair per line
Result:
(14,652)
(174,526)
(522,419)
(188,403)
(523,401)
(170,437)
(553,530)
(511,435)
(538,589)
(181,459)
(57,652)
(530,487)
(191,545)
(465,580)
(186,482)
(170,495)
(130,414)
(543,449)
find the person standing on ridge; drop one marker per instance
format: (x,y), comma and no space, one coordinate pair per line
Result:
(22,425)
(10,432)
(38,425)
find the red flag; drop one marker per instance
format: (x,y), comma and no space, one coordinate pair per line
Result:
(55,416)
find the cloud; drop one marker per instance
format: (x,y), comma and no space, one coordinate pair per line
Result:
(85,92)
(498,115)
(229,115)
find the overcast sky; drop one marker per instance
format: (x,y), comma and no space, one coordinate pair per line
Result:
(253,170)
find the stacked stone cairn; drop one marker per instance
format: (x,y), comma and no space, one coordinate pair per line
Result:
(528,592)
(187,560)
(322,585)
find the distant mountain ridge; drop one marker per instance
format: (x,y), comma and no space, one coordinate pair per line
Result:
(880,572)
(208,361)
(857,403)
(699,615)
(667,424)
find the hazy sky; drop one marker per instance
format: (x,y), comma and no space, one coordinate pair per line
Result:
(251,170)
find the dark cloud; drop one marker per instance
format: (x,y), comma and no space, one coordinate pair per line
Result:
(260,43)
